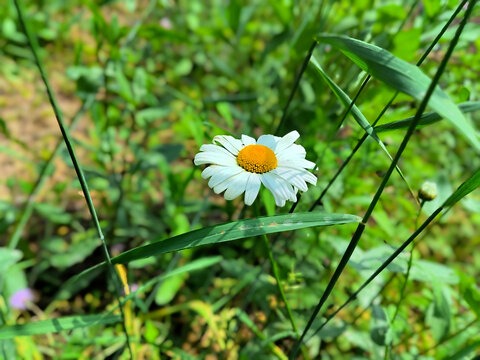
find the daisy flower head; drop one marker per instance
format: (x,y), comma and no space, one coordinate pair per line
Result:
(240,166)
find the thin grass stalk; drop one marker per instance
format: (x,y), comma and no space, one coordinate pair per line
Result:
(295,87)
(388,347)
(331,316)
(386,107)
(451,336)
(361,227)
(380,269)
(32,41)
(27,208)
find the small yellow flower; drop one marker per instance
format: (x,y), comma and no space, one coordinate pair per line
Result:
(240,166)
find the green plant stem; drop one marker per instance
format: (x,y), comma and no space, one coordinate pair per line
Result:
(276,274)
(380,268)
(409,267)
(32,41)
(451,336)
(358,233)
(295,87)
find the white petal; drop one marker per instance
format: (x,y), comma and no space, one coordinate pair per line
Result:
(229,142)
(287,140)
(293,177)
(210,170)
(247,140)
(305,174)
(268,141)
(292,150)
(223,174)
(295,162)
(252,189)
(280,189)
(216,158)
(237,185)
(215,148)
(222,186)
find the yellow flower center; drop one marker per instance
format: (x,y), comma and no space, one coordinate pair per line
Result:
(257,159)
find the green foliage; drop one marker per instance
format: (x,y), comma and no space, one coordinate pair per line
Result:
(143,85)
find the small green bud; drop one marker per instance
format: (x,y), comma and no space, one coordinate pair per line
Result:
(428,191)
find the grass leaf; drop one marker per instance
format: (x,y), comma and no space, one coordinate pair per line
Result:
(356,113)
(403,77)
(426,119)
(56,325)
(233,231)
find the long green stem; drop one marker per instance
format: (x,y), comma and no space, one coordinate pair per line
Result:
(388,347)
(358,233)
(32,40)
(295,86)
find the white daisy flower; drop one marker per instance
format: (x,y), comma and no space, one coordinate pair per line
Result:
(241,166)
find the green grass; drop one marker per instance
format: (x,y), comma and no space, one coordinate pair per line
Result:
(130,254)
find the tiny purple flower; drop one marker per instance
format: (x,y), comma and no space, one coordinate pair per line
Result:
(165,23)
(21,298)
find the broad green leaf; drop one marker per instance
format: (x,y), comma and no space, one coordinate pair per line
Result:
(426,119)
(56,325)
(380,330)
(357,114)
(403,77)
(466,352)
(439,316)
(169,288)
(470,292)
(8,257)
(233,231)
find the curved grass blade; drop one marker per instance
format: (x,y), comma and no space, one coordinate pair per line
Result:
(216,234)
(233,231)
(463,190)
(426,119)
(56,325)
(403,77)
(357,114)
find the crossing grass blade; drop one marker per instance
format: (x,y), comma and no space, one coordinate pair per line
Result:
(426,119)
(57,325)
(233,231)
(463,190)
(214,234)
(403,77)
(357,114)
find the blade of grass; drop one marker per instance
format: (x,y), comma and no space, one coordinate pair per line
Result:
(33,44)
(403,77)
(467,187)
(235,230)
(357,114)
(57,325)
(426,119)
(385,108)
(295,87)
(361,227)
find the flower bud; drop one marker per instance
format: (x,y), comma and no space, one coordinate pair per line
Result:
(428,191)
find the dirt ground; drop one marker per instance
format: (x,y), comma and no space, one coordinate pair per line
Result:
(32,128)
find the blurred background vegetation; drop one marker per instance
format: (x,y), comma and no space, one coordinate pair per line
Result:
(144,84)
